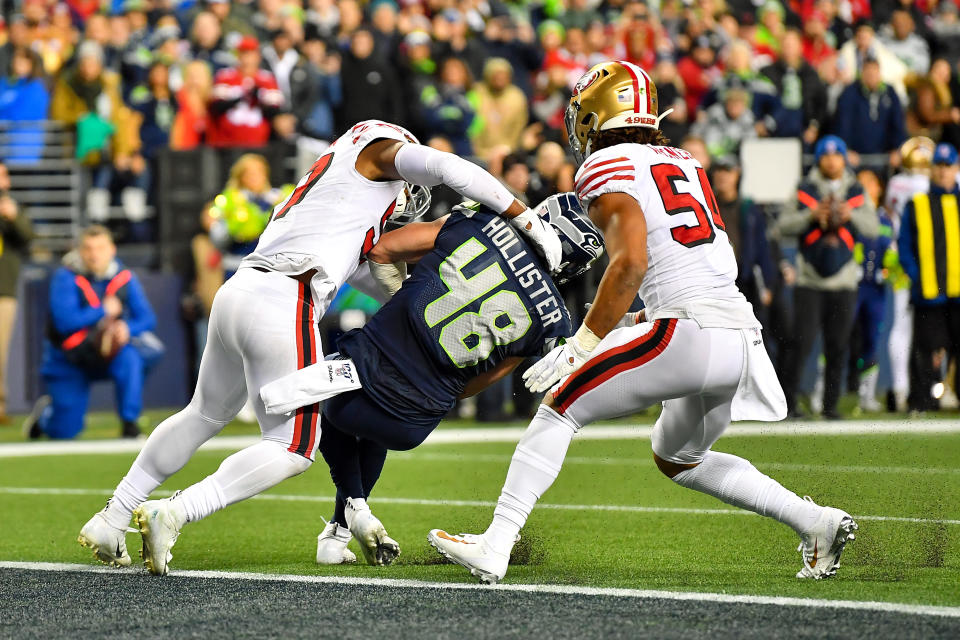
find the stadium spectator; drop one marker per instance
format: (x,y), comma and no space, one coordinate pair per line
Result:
(877,259)
(447,108)
(192,118)
(370,87)
(551,96)
(516,42)
(933,108)
(324,16)
(670,96)
(501,110)
(383,22)
(244,101)
(242,210)
(552,173)
(51,35)
(726,124)
(16,232)
(317,91)
(818,42)
(24,98)
(17,37)
(100,324)
(699,71)
(698,149)
(746,227)
(929,227)
(864,47)
(88,97)
(207,43)
(516,175)
(869,116)
(418,71)
(946,31)
(235,19)
(452,35)
(803,102)
(829,211)
(739,74)
(280,57)
(902,40)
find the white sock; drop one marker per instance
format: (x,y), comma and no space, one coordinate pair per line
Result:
(201,499)
(535,465)
(243,475)
(737,482)
(134,489)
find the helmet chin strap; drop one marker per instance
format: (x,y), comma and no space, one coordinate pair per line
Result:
(663,115)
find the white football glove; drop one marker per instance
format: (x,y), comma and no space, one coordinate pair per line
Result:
(561,361)
(542,235)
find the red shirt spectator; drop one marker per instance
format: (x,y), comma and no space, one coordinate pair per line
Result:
(699,71)
(244,100)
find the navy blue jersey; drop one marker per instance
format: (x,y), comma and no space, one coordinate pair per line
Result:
(481,296)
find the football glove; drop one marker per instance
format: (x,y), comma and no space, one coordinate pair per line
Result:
(543,237)
(561,361)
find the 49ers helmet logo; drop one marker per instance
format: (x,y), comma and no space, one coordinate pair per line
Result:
(585,81)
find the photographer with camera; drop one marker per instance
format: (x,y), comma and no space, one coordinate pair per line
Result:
(830,213)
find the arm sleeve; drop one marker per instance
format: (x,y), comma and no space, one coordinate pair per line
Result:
(428,167)
(141,317)
(795,217)
(65,309)
(864,218)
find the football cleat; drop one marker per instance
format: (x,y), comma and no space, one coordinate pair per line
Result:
(159,522)
(822,545)
(107,542)
(377,547)
(332,545)
(472,552)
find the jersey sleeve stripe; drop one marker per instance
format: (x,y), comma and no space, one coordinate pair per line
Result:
(587,167)
(618,174)
(587,180)
(585,194)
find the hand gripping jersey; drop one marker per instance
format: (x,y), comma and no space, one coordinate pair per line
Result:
(335,215)
(481,296)
(691,268)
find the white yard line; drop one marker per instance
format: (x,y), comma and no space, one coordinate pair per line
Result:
(512,435)
(426,502)
(416,456)
(813,603)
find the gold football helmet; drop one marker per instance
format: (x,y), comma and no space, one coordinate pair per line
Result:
(917,154)
(610,95)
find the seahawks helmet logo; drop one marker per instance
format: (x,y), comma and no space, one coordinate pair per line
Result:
(580,239)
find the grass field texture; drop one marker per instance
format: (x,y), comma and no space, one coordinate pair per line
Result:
(588,529)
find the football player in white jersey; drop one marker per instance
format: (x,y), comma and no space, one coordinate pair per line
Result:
(698,351)
(263,326)
(917,159)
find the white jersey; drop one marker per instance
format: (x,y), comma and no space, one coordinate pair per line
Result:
(691,267)
(334,216)
(900,190)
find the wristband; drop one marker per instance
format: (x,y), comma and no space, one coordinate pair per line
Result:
(586,339)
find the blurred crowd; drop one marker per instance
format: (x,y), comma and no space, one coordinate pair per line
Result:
(852,80)
(488,79)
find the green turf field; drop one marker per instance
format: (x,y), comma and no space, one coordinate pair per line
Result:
(587,530)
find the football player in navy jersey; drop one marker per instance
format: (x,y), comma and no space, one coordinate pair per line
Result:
(478,303)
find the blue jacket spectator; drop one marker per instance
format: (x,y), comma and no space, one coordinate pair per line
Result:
(98,329)
(158,108)
(869,116)
(24,97)
(447,109)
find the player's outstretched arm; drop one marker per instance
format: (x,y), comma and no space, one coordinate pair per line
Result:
(388,259)
(624,228)
(418,164)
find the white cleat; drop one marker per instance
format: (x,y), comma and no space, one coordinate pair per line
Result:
(377,547)
(332,545)
(822,545)
(471,551)
(107,542)
(159,522)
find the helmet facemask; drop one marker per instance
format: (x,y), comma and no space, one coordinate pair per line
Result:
(412,203)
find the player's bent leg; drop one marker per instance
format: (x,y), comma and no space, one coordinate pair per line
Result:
(242,475)
(533,469)
(823,530)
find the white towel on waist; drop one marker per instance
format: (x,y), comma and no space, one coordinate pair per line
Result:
(311,384)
